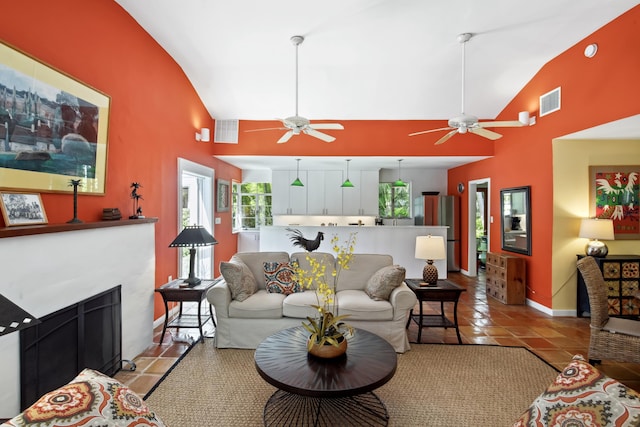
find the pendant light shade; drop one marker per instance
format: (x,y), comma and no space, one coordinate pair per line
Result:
(399,182)
(347,183)
(297,182)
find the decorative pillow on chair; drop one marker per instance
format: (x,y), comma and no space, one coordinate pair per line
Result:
(280,278)
(239,278)
(384,281)
(90,400)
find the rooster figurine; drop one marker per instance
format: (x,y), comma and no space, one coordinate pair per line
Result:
(309,245)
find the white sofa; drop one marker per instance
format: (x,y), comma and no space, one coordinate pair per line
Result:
(245,324)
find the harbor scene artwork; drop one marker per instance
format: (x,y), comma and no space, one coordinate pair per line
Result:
(52,127)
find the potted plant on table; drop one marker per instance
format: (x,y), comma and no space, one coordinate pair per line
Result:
(328,330)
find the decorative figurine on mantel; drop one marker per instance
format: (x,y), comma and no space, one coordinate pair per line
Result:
(137,209)
(75,183)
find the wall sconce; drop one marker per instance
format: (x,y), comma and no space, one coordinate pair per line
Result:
(430,248)
(596,229)
(203,135)
(525,119)
(591,50)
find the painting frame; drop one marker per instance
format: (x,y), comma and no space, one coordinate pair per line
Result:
(19,209)
(618,185)
(223,195)
(40,106)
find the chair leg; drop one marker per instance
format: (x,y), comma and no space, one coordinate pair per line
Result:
(594,362)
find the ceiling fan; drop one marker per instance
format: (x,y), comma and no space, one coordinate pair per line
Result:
(467,123)
(297,124)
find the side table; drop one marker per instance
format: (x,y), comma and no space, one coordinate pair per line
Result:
(445,291)
(173,292)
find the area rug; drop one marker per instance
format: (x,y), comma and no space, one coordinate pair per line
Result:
(434,385)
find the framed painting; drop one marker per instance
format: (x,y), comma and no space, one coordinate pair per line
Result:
(614,194)
(22,209)
(222,195)
(53,128)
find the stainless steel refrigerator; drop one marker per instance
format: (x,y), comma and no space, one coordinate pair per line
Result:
(442,210)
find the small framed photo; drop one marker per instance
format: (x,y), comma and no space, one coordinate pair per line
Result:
(222,196)
(22,209)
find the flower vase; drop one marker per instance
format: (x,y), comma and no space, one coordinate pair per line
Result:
(328,350)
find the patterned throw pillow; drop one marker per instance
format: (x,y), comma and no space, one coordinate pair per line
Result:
(280,278)
(91,399)
(384,281)
(239,278)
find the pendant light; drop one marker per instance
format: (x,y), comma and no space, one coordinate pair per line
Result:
(297,182)
(347,183)
(399,182)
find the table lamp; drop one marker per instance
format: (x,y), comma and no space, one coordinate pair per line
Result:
(194,235)
(596,229)
(430,248)
(13,318)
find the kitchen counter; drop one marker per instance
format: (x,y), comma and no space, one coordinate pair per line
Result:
(398,241)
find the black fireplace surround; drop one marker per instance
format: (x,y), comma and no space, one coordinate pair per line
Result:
(87,334)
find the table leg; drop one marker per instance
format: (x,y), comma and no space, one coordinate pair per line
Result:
(212,318)
(200,321)
(420,326)
(166,319)
(455,320)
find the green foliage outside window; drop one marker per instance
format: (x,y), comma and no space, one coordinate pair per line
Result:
(252,205)
(394,202)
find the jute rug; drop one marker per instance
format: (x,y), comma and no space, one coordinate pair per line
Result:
(434,385)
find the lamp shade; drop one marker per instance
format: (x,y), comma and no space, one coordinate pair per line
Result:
(430,247)
(193,235)
(13,318)
(594,228)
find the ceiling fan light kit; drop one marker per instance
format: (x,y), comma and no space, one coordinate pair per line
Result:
(466,122)
(295,125)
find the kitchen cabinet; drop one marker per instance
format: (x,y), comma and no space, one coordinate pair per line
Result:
(285,199)
(324,192)
(362,199)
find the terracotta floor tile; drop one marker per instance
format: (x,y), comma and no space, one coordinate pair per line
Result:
(161,365)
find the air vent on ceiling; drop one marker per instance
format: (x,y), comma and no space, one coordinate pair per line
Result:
(550,102)
(226,132)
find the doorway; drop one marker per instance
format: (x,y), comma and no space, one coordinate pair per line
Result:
(479,224)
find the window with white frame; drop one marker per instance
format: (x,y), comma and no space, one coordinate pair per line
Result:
(251,205)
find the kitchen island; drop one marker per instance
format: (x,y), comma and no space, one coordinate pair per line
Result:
(397,241)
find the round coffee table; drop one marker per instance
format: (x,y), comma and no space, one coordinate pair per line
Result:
(317,392)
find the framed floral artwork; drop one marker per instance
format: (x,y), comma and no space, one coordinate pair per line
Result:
(223,194)
(615,194)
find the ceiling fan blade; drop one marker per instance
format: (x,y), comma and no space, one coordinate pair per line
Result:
(287,136)
(486,133)
(336,126)
(503,124)
(319,135)
(429,131)
(259,130)
(446,137)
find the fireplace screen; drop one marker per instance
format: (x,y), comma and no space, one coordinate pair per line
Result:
(87,334)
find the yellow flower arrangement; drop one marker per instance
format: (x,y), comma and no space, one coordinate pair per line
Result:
(327,328)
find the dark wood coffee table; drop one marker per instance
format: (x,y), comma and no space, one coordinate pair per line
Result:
(329,392)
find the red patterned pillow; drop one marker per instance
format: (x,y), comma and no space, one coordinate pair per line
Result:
(583,396)
(280,278)
(91,399)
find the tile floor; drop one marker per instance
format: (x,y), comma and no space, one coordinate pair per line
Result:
(482,320)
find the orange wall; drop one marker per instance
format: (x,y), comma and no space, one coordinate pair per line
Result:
(154,112)
(594,91)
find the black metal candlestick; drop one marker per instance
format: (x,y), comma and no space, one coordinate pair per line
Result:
(75,183)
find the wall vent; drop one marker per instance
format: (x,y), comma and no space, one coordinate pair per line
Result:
(550,102)
(226,132)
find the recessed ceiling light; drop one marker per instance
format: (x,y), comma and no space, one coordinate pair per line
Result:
(590,51)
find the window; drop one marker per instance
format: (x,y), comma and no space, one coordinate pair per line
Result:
(195,204)
(394,202)
(251,205)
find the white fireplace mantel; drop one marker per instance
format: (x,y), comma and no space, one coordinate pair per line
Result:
(48,269)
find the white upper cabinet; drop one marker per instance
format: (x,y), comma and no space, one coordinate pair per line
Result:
(285,199)
(362,199)
(324,193)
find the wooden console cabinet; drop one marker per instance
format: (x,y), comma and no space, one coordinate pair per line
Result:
(621,275)
(506,278)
